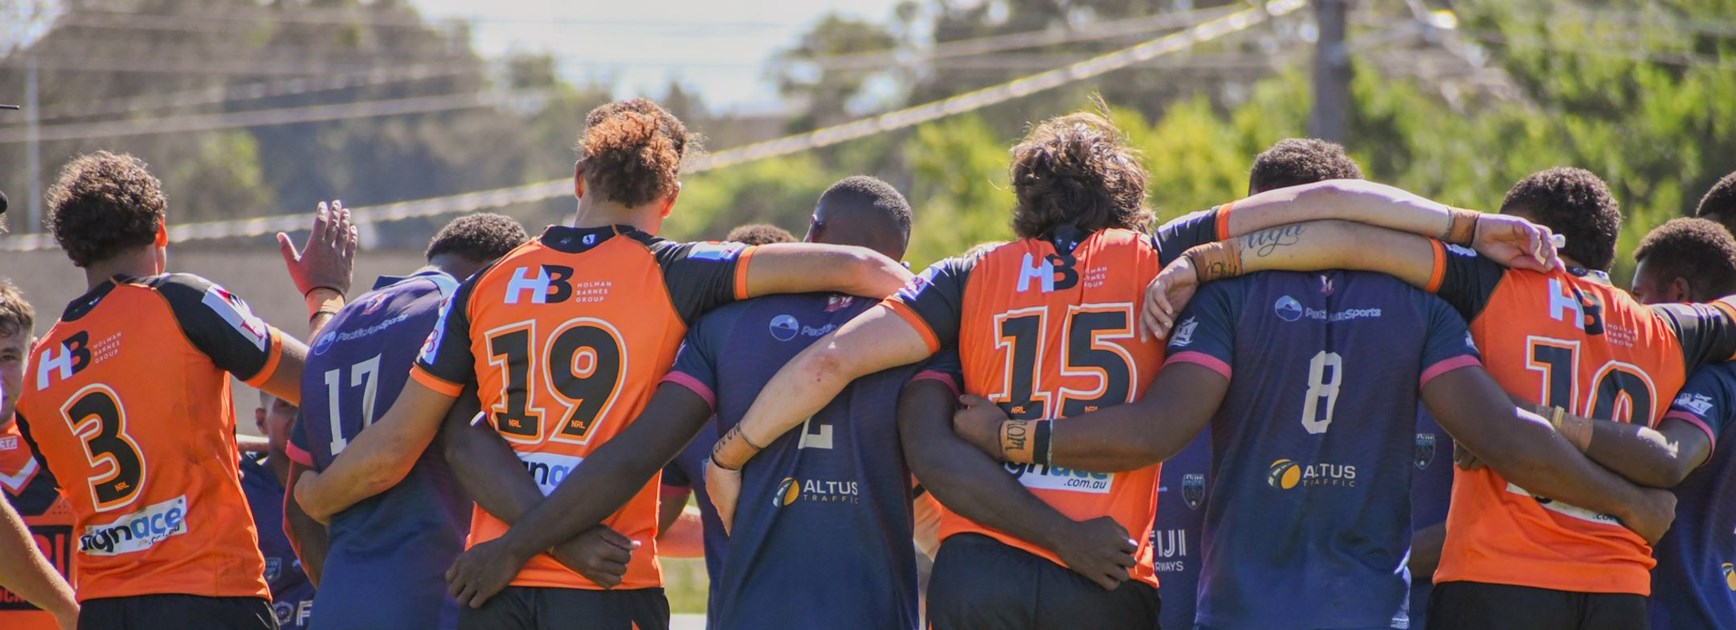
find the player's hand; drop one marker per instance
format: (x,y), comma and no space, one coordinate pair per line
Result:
(1167,294)
(483,571)
(1515,242)
(328,259)
(978,422)
(305,495)
(1653,517)
(600,554)
(1465,459)
(1098,549)
(724,488)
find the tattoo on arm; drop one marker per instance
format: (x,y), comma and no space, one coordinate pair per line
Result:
(1264,242)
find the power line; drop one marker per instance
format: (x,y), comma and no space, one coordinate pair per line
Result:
(891,121)
(234,94)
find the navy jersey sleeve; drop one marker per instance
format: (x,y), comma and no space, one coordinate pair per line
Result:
(1708,401)
(1176,237)
(702,276)
(1206,335)
(933,301)
(1464,278)
(1447,345)
(1707,331)
(445,363)
(299,448)
(696,362)
(221,326)
(944,368)
(675,477)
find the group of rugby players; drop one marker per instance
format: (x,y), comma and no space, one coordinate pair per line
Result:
(1320,334)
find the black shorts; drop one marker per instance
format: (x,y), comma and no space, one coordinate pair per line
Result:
(534,608)
(1479,606)
(149,612)
(981,584)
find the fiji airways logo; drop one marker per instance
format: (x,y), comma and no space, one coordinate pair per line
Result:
(1700,404)
(1286,474)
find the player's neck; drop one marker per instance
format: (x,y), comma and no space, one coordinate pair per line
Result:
(143,261)
(594,214)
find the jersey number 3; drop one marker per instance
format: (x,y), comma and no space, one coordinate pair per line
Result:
(96,417)
(580,366)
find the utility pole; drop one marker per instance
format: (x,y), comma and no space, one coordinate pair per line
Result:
(31,116)
(1330,118)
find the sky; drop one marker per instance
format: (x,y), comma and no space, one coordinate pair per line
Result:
(716,47)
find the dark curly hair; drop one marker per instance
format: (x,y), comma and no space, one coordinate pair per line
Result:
(478,238)
(1697,250)
(104,204)
(1077,169)
(631,151)
(1574,203)
(1298,161)
(760,234)
(1719,204)
(16,315)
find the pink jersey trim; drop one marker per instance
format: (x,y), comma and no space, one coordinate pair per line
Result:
(693,384)
(1447,365)
(1201,359)
(937,375)
(298,455)
(1698,423)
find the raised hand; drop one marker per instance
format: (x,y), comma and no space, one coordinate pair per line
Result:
(328,259)
(1516,243)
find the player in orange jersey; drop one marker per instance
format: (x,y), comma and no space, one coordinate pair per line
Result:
(128,404)
(1565,338)
(1044,327)
(45,516)
(566,338)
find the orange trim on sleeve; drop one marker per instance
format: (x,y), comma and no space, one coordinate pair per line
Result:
(1223,222)
(916,322)
(1439,274)
(741,273)
(1724,306)
(271,360)
(435,383)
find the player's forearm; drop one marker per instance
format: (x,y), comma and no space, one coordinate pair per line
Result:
(285,379)
(1531,455)
(378,457)
(1319,245)
(1641,454)
(964,479)
(24,571)
(614,473)
(805,267)
(1352,200)
(489,471)
(306,536)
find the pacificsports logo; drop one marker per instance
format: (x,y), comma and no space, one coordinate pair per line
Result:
(785,327)
(1040,477)
(1288,309)
(1286,474)
(791,490)
(138,531)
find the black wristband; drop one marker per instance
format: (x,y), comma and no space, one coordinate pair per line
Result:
(1042,439)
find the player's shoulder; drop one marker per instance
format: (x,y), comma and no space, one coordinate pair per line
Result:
(175,283)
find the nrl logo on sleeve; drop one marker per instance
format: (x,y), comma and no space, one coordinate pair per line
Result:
(1700,404)
(235,313)
(1184,332)
(1425,450)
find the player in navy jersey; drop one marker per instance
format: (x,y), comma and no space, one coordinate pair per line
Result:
(1308,523)
(387,555)
(262,480)
(826,539)
(1431,491)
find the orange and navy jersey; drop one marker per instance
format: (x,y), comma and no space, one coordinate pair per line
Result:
(1045,329)
(1566,338)
(31,490)
(566,338)
(127,402)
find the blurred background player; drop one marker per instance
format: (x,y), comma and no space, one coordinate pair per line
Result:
(130,395)
(382,562)
(684,534)
(43,515)
(575,330)
(1564,339)
(262,480)
(830,523)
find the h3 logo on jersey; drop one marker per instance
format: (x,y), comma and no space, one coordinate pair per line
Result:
(1586,309)
(73,357)
(1056,272)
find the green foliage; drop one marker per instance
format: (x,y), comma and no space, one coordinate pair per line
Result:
(959,194)
(779,191)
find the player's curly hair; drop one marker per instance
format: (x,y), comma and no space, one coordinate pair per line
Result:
(1575,203)
(760,234)
(1298,161)
(104,204)
(1719,204)
(1697,250)
(15,313)
(478,238)
(631,151)
(1077,169)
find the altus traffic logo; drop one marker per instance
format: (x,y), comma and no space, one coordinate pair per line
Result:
(1286,474)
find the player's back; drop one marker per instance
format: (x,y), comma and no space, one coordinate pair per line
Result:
(1309,522)
(1569,339)
(128,402)
(389,553)
(1694,583)
(1048,332)
(829,499)
(566,338)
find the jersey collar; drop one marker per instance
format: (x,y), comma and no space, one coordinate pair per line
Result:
(1600,277)
(82,305)
(386,281)
(574,240)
